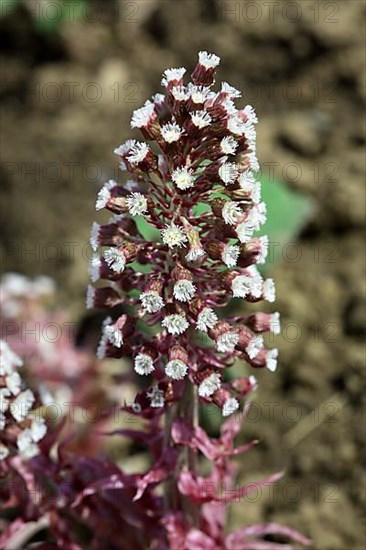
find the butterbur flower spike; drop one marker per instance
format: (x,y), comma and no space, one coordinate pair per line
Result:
(198,147)
(201,261)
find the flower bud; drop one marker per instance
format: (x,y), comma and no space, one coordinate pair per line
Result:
(151,298)
(102,297)
(244,385)
(112,197)
(173,77)
(183,289)
(264,322)
(145,119)
(253,252)
(144,361)
(177,367)
(196,252)
(117,258)
(227,253)
(105,235)
(225,336)
(209,385)
(266,358)
(204,72)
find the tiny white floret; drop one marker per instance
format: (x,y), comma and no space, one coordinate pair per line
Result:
(208,60)
(180,93)
(230,406)
(143,364)
(244,231)
(275,323)
(228,172)
(201,119)
(253,382)
(116,259)
(114,335)
(171,132)
(141,117)
(25,444)
(184,290)
(264,243)
(94,268)
(38,429)
(206,319)
(8,359)
(255,346)
(209,385)
(235,125)
(151,301)
(21,405)
(156,397)
(183,178)
(94,236)
(175,323)
(241,286)
(125,147)
(173,235)
(230,90)
(231,213)
(198,93)
(138,153)
(269,290)
(176,369)
(90,294)
(4,452)
(230,255)
(253,161)
(137,204)
(251,115)
(271,360)
(171,75)
(228,145)
(195,253)
(13,382)
(104,194)
(226,342)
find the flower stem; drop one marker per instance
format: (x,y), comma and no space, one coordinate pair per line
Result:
(188,410)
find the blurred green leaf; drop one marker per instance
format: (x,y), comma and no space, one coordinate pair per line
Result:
(7,6)
(149,232)
(210,419)
(51,16)
(141,268)
(201,208)
(287,213)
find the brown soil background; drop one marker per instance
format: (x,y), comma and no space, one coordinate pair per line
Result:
(303,69)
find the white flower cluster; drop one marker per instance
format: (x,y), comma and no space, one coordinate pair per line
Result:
(143,364)
(175,323)
(105,194)
(183,178)
(209,385)
(137,204)
(253,284)
(16,290)
(16,405)
(116,259)
(173,235)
